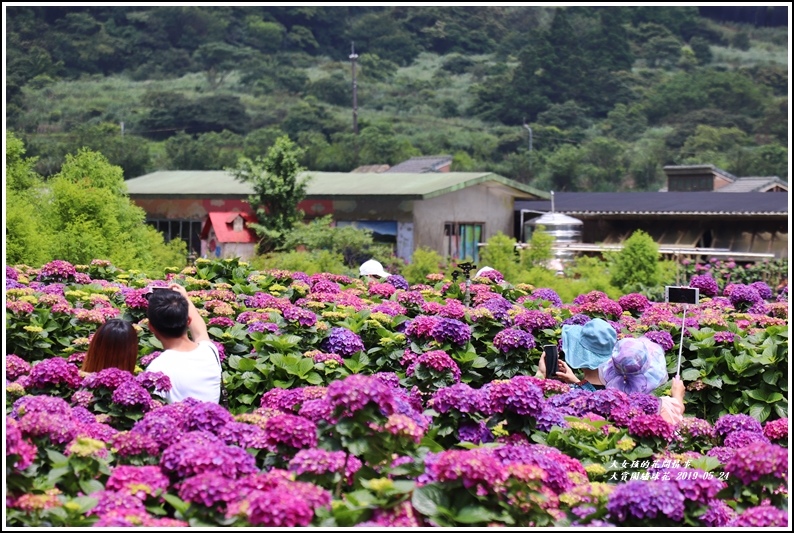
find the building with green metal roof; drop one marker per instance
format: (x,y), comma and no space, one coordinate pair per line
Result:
(450,212)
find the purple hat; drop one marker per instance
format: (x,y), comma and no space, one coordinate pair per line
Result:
(636,365)
(588,346)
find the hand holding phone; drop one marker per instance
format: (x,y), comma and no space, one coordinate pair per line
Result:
(551,356)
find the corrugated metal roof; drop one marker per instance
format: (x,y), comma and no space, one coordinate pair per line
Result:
(205,183)
(421,164)
(662,203)
(754,184)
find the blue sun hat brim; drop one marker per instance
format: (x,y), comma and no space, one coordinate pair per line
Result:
(588,346)
(636,365)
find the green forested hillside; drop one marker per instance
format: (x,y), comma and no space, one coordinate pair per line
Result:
(607,95)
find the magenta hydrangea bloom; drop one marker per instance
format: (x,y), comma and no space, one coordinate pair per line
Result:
(139,481)
(421,327)
(15,367)
(534,320)
(287,400)
(292,431)
(719,514)
(277,508)
(550,295)
(390,308)
(353,393)
(695,428)
(644,500)
(53,372)
(318,462)
(110,500)
(436,360)
(20,452)
(651,426)
(163,425)
(724,337)
(761,516)
(634,303)
(695,485)
(729,423)
(95,430)
(222,321)
(57,270)
(132,444)
(472,468)
(758,460)
(325,286)
(342,341)
(777,430)
(706,284)
(109,378)
(200,451)
(245,436)
(259,326)
(210,489)
(303,317)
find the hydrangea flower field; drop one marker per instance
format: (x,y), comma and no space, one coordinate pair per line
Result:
(387,405)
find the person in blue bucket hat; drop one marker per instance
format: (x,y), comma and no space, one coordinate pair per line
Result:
(585,347)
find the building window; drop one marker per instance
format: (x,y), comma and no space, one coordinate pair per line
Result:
(461,240)
(187,230)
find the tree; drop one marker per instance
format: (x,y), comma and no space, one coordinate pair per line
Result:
(500,254)
(218,60)
(636,266)
(539,251)
(277,191)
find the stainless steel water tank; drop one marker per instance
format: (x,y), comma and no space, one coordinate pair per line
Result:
(563,228)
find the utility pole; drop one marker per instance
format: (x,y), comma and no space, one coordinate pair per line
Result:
(353,57)
(530,142)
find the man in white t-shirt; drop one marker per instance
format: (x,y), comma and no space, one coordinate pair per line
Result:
(191,363)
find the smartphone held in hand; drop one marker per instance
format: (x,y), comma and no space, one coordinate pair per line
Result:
(551,354)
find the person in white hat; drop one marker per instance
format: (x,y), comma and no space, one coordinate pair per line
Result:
(373,269)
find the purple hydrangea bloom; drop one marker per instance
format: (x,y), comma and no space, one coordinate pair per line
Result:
(163,425)
(578,319)
(764,291)
(550,417)
(317,462)
(761,516)
(154,380)
(18,446)
(259,326)
(207,416)
(519,395)
(53,372)
(694,484)
(730,423)
(452,330)
(57,270)
(662,338)
(724,337)
(695,427)
(286,400)
(561,470)
(462,398)
(534,320)
(317,410)
(740,438)
(304,317)
(49,405)
(639,501)
(719,514)
(498,306)
(200,451)
(398,281)
(647,403)
(277,508)
(707,285)
(603,402)
(244,435)
(743,296)
(722,453)
(11,273)
(83,415)
(390,308)
(475,432)
(342,341)
(758,460)
(550,295)
(325,286)
(783,295)
(131,394)
(514,339)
